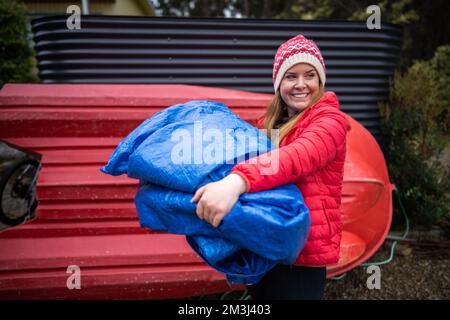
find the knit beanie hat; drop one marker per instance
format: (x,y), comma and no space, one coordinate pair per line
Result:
(294,51)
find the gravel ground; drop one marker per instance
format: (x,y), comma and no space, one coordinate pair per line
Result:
(415,273)
(412,274)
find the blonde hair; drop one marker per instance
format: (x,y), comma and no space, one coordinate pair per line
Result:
(277,116)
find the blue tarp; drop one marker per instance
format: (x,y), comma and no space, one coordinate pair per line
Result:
(186,146)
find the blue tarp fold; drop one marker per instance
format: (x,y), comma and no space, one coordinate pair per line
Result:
(188,145)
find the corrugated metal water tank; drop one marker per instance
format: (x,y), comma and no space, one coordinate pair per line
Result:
(224,53)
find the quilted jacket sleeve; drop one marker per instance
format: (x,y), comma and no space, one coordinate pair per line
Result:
(312,150)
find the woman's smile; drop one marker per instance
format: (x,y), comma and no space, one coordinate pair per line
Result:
(300,96)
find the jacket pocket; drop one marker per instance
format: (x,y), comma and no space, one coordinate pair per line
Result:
(325,212)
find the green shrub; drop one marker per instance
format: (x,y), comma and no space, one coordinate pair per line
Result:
(16,53)
(414,125)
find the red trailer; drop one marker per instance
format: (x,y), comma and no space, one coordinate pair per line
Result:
(88,220)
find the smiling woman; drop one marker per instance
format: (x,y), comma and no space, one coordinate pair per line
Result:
(299,87)
(312,148)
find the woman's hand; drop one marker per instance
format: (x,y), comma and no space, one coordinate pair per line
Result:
(216,199)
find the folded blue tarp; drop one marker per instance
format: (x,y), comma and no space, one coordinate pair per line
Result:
(188,145)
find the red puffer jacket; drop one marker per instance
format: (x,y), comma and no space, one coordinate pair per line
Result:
(312,156)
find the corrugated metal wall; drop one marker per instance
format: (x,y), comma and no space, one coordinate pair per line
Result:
(225,53)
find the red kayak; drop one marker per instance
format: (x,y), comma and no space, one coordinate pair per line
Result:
(86,225)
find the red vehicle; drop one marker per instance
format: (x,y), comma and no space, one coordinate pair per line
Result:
(86,224)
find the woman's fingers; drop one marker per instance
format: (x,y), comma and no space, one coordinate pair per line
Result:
(214,201)
(200,210)
(207,213)
(217,220)
(198,194)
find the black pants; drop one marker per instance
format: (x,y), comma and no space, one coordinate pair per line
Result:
(286,282)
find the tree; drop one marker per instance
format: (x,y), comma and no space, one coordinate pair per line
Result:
(16,54)
(424,23)
(223,8)
(415,124)
(189,8)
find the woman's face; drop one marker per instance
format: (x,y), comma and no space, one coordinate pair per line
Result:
(298,87)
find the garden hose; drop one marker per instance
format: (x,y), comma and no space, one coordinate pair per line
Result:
(394,243)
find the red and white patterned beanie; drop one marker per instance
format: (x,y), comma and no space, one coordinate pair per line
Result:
(294,51)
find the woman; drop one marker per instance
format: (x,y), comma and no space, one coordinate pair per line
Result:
(311,154)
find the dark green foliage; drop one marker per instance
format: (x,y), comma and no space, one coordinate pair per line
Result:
(16,53)
(415,124)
